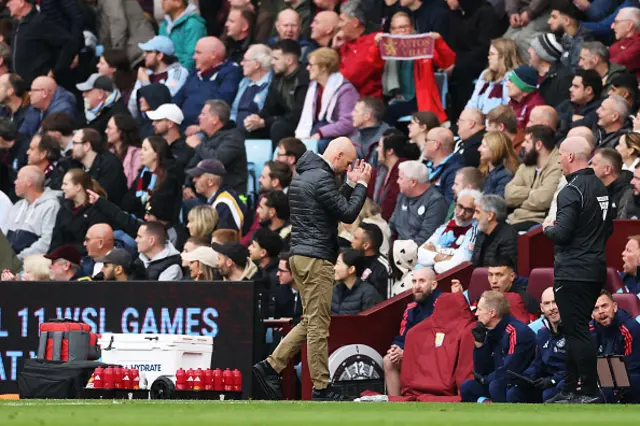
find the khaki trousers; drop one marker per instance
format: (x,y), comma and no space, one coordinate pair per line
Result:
(314,280)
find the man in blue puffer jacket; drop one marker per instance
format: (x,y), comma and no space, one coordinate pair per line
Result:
(214,78)
(615,332)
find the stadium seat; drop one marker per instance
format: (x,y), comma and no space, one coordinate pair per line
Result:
(478,284)
(614,282)
(539,280)
(311,144)
(442,81)
(258,153)
(628,302)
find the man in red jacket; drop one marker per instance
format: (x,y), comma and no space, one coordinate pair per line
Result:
(360,60)
(626,50)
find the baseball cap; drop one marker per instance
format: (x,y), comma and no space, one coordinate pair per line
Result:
(234,251)
(204,255)
(169,112)
(117,256)
(67,252)
(213,167)
(162,44)
(97,81)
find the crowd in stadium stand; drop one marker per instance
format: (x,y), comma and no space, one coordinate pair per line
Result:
(127,132)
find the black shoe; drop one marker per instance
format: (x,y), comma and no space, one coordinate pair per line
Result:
(561,398)
(268,379)
(586,399)
(328,394)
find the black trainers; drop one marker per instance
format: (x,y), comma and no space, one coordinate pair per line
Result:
(561,398)
(268,379)
(328,394)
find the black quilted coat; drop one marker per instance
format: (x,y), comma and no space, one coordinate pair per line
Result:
(317,205)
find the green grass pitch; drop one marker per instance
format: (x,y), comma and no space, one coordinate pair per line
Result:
(188,413)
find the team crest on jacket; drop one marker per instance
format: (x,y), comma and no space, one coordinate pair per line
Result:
(560,343)
(439,339)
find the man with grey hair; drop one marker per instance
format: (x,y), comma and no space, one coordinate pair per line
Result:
(626,50)
(595,56)
(253,89)
(613,121)
(580,232)
(420,208)
(452,243)
(442,162)
(495,239)
(221,141)
(363,70)
(32,219)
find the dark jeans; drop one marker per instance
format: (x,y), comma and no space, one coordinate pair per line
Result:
(575,300)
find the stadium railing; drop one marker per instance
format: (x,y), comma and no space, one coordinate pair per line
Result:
(536,251)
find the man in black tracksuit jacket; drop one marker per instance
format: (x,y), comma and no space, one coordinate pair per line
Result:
(38,44)
(580,232)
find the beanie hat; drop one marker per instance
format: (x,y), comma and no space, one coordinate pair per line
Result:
(547,47)
(525,78)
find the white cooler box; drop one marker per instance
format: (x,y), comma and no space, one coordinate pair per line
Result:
(156,355)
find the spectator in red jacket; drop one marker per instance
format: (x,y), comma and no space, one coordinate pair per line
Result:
(393,149)
(626,50)
(360,61)
(522,89)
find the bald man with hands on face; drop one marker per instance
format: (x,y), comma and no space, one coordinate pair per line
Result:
(317,205)
(580,231)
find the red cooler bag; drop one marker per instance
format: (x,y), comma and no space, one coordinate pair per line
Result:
(67,340)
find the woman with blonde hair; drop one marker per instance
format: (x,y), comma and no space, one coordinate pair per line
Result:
(330,100)
(498,162)
(629,148)
(202,221)
(491,90)
(202,263)
(76,214)
(34,268)
(370,213)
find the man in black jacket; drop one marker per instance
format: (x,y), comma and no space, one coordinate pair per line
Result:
(496,239)
(221,141)
(368,239)
(264,251)
(471,131)
(101,101)
(101,164)
(39,45)
(317,205)
(584,100)
(613,121)
(607,166)
(166,120)
(580,232)
(544,55)
(283,106)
